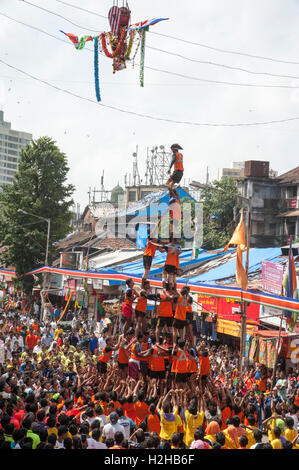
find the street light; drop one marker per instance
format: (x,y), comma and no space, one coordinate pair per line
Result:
(46,257)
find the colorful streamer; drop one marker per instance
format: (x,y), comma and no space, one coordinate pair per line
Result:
(96,69)
(130,46)
(142,55)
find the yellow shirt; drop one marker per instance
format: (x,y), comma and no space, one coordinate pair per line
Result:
(250,437)
(276,444)
(192,421)
(53,431)
(211,438)
(290,434)
(57,333)
(168,428)
(228,441)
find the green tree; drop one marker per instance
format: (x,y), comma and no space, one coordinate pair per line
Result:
(220,204)
(39,187)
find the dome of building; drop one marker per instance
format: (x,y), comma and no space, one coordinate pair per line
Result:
(116,192)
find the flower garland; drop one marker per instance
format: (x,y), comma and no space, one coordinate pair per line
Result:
(130,46)
(142,56)
(119,46)
(136,51)
(96,68)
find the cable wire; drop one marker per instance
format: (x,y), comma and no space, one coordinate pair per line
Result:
(203,80)
(147,116)
(181,56)
(60,16)
(217,49)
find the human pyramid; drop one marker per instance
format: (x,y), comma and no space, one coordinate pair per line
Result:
(168,357)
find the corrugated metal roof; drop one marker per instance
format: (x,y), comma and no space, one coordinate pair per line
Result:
(136,267)
(109,259)
(256,256)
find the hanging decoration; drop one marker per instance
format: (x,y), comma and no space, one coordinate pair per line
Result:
(79,43)
(96,68)
(142,56)
(118,44)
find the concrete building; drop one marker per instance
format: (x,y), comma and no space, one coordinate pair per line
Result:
(11,144)
(289,184)
(274,204)
(235,172)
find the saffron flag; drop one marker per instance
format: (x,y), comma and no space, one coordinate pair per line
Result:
(238,239)
(146,24)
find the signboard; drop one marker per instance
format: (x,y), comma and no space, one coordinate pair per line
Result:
(229,309)
(97,284)
(71,260)
(55,280)
(206,303)
(232,328)
(272,276)
(271,316)
(71,284)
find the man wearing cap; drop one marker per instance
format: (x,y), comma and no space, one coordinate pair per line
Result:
(177,162)
(111,428)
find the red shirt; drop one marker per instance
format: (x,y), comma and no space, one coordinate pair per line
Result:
(142,410)
(129,411)
(31,340)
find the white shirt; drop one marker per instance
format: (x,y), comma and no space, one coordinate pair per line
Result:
(21,341)
(295,418)
(37,349)
(59,445)
(125,422)
(110,429)
(101,343)
(93,444)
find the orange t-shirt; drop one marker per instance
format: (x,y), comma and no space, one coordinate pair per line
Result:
(141,409)
(179,162)
(129,411)
(153,423)
(204,365)
(226,413)
(31,341)
(150,249)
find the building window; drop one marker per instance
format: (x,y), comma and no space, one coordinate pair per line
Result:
(132,196)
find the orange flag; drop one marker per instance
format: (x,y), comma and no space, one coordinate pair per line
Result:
(238,239)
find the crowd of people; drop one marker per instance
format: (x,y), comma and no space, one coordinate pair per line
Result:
(137,382)
(134,385)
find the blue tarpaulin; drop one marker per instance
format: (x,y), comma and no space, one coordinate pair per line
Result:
(256,256)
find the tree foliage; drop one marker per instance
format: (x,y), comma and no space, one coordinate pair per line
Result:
(220,207)
(39,187)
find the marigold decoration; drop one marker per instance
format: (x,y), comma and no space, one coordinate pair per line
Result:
(117,50)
